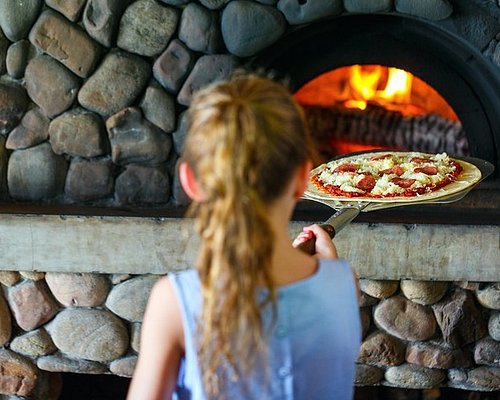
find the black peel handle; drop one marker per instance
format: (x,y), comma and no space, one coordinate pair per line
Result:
(309,246)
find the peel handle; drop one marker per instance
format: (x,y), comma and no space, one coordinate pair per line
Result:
(309,246)
(332,226)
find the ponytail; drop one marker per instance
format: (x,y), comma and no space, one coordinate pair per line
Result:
(245,138)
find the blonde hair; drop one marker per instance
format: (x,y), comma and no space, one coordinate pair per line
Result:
(245,139)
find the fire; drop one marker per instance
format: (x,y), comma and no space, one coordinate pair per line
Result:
(350,108)
(364,85)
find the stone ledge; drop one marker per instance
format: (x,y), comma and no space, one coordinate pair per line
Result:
(158,245)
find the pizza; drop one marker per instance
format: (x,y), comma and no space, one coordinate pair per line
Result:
(391,175)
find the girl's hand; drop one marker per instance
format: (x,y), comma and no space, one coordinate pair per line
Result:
(324,247)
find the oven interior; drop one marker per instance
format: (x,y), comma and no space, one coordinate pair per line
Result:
(384,81)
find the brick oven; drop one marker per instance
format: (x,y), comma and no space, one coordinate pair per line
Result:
(93,96)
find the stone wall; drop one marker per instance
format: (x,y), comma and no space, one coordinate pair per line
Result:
(416,334)
(425,334)
(93,93)
(67,322)
(92,102)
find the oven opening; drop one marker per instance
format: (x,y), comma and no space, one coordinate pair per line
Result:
(394,82)
(363,107)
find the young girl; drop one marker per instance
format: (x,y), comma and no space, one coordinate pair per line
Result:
(257,319)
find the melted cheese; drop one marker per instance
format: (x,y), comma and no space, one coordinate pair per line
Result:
(346,181)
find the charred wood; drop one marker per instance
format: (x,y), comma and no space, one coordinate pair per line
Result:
(384,128)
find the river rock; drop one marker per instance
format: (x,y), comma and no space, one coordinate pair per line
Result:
(381,349)
(434,355)
(146,27)
(494,326)
(208,69)
(17,57)
(366,300)
(79,133)
(135,336)
(32,304)
(128,299)
(5,322)
(60,363)
(33,275)
(65,42)
(124,366)
(380,289)
(36,173)
(101,19)
(90,179)
(142,185)
(119,278)
(17,17)
(78,289)
(116,83)
(434,10)
(91,334)
(179,196)
(214,4)
(33,130)
(9,278)
(50,85)
(489,296)
(424,292)
(158,107)
(468,285)
(13,104)
(249,27)
(414,377)
(18,376)
(368,375)
(70,9)
(460,319)
(487,352)
(136,140)
(300,12)
(199,29)
(482,378)
(368,6)
(404,319)
(172,66)
(33,344)
(179,136)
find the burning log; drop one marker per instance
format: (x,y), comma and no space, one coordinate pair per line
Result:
(380,127)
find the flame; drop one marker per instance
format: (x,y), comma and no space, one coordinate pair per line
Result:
(371,87)
(364,85)
(358,86)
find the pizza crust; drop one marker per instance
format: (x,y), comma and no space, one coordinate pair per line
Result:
(467,178)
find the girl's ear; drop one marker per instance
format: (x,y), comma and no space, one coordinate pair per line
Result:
(302,178)
(188,182)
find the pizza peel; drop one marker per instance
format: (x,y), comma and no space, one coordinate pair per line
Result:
(346,209)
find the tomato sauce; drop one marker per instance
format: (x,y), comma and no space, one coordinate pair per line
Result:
(409,192)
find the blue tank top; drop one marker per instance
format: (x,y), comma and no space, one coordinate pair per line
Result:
(312,347)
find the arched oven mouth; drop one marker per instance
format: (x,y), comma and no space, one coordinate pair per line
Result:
(467,82)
